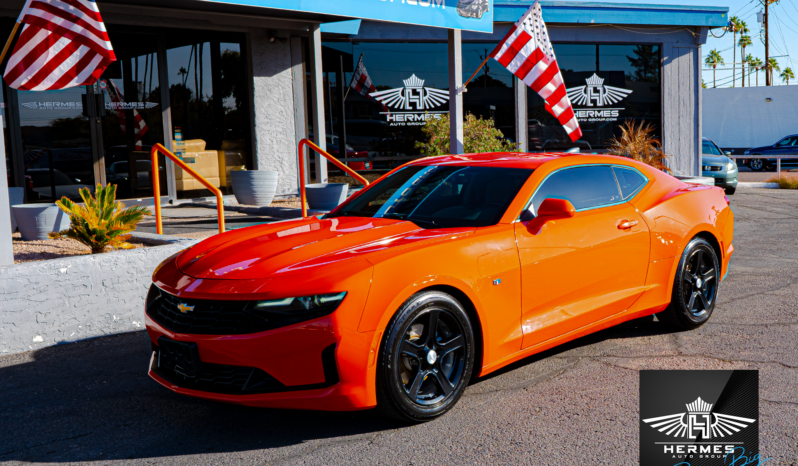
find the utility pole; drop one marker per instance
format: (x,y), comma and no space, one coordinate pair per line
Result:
(767,45)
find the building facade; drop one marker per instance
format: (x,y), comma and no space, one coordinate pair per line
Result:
(242,84)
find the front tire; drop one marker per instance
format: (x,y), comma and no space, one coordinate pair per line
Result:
(756,165)
(730,191)
(426,358)
(695,288)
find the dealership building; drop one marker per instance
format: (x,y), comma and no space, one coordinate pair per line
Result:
(243,81)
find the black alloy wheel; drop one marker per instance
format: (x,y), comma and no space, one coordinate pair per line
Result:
(756,165)
(426,358)
(695,289)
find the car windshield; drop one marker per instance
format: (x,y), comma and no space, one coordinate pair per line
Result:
(441,196)
(708,148)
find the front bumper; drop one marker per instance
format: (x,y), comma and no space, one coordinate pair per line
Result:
(319,364)
(314,366)
(723,179)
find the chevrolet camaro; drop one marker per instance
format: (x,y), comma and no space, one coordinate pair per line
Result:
(444,270)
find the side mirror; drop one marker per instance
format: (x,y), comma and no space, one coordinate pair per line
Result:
(552,209)
(728,152)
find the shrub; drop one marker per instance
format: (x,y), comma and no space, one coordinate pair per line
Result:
(785,182)
(478,136)
(103,221)
(638,143)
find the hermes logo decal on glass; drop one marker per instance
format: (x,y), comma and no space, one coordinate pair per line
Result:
(596,94)
(414,102)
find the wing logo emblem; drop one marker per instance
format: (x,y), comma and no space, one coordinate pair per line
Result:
(414,96)
(699,420)
(595,93)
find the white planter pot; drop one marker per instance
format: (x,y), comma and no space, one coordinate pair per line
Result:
(16,196)
(35,221)
(326,196)
(254,187)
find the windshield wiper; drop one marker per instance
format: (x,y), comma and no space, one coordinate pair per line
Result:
(421,223)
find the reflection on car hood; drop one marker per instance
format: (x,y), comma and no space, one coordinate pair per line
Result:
(714,159)
(299,247)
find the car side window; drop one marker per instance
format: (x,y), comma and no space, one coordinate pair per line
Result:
(785,142)
(585,187)
(629,180)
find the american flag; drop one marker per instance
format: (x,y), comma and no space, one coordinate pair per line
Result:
(140,127)
(361,82)
(63,44)
(526,52)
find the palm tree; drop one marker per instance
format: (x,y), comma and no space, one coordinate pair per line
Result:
(757,64)
(745,41)
(714,59)
(773,65)
(750,60)
(742,28)
(734,25)
(787,74)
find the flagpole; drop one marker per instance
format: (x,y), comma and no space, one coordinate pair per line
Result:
(14,31)
(353,78)
(484,62)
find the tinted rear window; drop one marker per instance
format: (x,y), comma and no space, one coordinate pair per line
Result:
(585,187)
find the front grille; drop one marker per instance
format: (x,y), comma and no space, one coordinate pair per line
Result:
(712,168)
(179,363)
(211,317)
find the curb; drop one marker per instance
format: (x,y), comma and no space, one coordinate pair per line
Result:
(758,185)
(276,212)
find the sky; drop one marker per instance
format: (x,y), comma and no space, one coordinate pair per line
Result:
(783,37)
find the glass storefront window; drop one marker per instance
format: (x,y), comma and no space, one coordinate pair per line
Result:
(56,144)
(608,85)
(129,106)
(412,83)
(207,87)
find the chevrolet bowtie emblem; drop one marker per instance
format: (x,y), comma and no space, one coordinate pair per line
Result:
(182,307)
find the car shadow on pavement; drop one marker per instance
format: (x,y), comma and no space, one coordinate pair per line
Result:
(93,400)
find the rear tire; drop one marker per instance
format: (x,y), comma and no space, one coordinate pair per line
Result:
(426,358)
(695,287)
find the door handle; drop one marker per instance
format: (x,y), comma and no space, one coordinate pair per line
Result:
(626,224)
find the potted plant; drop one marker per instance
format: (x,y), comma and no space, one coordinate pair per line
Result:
(103,222)
(254,187)
(326,196)
(36,221)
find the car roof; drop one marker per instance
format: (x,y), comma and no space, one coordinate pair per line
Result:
(515,159)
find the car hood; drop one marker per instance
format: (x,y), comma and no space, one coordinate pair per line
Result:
(761,149)
(300,246)
(714,159)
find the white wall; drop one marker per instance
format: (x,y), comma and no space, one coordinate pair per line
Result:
(742,118)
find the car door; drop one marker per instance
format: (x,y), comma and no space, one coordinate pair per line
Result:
(579,270)
(788,146)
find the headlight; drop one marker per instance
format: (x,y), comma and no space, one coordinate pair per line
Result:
(288,311)
(747,152)
(731,166)
(305,303)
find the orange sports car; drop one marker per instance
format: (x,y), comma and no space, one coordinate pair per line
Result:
(446,268)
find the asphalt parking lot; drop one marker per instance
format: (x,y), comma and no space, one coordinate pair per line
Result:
(575,405)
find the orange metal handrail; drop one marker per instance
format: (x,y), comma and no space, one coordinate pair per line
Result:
(327,156)
(156,188)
